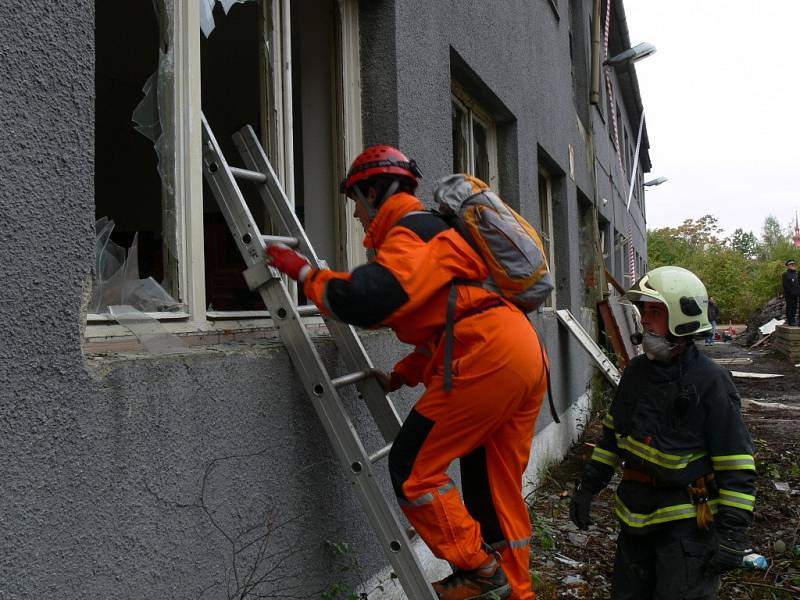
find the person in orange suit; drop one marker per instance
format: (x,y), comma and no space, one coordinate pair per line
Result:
(483,411)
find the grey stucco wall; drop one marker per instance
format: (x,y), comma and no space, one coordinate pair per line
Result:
(47,212)
(518,52)
(104,460)
(147,480)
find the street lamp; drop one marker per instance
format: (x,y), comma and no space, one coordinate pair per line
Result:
(631,55)
(656,181)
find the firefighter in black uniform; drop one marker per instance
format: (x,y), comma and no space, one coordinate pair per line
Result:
(791,291)
(688,474)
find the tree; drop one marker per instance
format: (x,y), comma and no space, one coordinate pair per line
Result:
(741,273)
(772,234)
(745,243)
(700,234)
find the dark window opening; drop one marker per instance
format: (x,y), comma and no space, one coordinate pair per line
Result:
(460,160)
(231,97)
(127,186)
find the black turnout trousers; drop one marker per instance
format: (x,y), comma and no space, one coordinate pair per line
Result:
(666,564)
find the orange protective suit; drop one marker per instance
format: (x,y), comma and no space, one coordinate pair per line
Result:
(486,420)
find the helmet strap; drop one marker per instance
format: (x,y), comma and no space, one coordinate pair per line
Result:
(372,209)
(361,199)
(390,191)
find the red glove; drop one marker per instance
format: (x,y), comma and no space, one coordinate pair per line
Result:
(286,260)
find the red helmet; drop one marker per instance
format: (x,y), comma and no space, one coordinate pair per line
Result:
(379,160)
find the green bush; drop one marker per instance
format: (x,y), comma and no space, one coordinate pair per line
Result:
(740,271)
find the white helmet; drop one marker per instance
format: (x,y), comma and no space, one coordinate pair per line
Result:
(683,294)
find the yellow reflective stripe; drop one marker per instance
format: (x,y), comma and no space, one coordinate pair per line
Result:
(734,462)
(650,454)
(737,499)
(604,456)
(662,515)
(608,421)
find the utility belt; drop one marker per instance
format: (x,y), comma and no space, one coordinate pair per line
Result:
(697,492)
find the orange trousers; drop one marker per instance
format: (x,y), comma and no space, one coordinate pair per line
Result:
(487,420)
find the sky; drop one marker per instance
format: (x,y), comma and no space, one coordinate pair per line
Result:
(722,105)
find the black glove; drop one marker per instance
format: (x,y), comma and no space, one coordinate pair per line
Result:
(579,507)
(727,552)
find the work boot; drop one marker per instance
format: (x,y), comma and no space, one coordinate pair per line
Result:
(487,582)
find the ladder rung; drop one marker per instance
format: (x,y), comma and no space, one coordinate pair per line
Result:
(248,175)
(350,378)
(308,310)
(292,242)
(376,456)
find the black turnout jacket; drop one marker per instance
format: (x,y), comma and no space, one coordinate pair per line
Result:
(676,422)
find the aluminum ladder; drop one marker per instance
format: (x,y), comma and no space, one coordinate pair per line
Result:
(320,387)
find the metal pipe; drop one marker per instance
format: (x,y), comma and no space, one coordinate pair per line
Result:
(292,242)
(247,175)
(594,97)
(375,457)
(308,310)
(350,378)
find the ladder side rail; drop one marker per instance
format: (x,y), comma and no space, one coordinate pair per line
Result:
(347,341)
(606,366)
(316,381)
(284,219)
(236,213)
(345,440)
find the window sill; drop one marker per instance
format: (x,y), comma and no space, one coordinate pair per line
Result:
(161,316)
(110,338)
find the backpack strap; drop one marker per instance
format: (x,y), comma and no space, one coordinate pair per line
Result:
(452,297)
(553,411)
(449,326)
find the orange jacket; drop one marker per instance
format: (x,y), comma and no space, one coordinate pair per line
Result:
(406,286)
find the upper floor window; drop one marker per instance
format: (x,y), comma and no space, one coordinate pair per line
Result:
(546,226)
(474,138)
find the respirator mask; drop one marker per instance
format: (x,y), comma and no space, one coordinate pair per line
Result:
(656,347)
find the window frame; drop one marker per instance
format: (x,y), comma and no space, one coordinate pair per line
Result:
(476,113)
(546,230)
(188,169)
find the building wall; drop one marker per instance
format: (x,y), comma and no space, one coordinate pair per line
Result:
(518,59)
(134,476)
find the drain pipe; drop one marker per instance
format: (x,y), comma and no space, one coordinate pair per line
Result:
(594,98)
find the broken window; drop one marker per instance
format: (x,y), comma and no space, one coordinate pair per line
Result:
(154,77)
(232,81)
(134,205)
(474,138)
(236,91)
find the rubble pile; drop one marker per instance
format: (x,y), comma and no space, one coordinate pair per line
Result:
(773,309)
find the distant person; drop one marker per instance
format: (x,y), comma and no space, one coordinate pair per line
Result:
(713,317)
(791,292)
(688,475)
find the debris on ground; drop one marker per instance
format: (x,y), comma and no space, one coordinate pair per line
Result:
(769,326)
(733,361)
(773,309)
(569,563)
(744,375)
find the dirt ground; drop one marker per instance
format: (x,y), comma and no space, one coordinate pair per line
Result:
(569,563)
